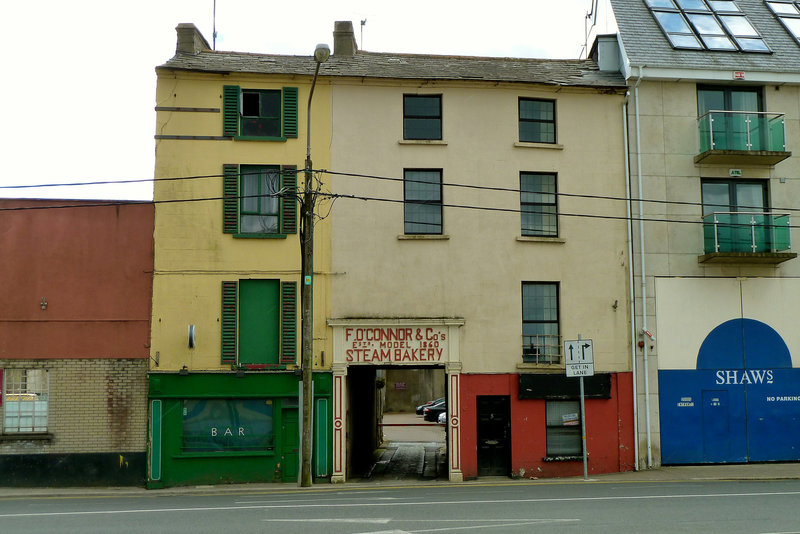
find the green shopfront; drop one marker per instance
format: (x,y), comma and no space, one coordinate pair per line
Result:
(216,428)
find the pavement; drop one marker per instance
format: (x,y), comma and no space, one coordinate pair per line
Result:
(428,439)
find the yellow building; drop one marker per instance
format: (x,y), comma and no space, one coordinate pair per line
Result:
(225,340)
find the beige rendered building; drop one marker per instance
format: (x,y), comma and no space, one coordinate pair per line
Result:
(479,221)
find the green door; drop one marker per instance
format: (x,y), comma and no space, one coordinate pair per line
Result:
(290,441)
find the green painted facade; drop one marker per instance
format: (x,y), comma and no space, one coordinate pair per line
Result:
(216,428)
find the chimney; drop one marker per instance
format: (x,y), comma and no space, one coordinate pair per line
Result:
(190,40)
(344,40)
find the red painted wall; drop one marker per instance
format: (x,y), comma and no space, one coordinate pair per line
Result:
(94,266)
(609,429)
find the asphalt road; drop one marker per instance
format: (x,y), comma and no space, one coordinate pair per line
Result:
(708,507)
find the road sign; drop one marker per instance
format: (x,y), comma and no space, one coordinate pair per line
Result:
(579,357)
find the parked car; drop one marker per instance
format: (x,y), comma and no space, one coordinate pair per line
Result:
(423,406)
(442,418)
(431,413)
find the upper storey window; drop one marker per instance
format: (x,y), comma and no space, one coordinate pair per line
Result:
(422,117)
(706,25)
(789,15)
(261,114)
(537,120)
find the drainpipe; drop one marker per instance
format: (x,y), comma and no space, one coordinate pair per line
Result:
(643,271)
(632,296)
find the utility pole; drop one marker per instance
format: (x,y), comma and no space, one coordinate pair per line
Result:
(307,205)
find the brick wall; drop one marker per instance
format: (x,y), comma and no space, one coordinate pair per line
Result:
(95,406)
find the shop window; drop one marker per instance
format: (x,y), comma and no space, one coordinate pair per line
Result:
(259,323)
(422,117)
(259,200)
(25,400)
(226,425)
(538,204)
(423,201)
(268,114)
(540,324)
(563,428)
(537,120)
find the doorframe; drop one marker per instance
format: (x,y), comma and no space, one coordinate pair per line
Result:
(447,355)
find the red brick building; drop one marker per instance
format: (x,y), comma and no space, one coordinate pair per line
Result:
(75,308)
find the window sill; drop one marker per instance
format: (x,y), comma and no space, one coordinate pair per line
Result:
(31,436)
(523,366)
(222,454)
(437,142)
(259,236)
(423,237)
(553,146)
(575,458)
(257,138)
(540,239)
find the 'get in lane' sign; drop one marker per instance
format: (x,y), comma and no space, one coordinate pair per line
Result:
(579,357)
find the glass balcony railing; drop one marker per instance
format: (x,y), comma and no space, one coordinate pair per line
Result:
(743,131)
(746,232)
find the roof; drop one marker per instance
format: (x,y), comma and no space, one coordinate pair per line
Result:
(581,73)
(646,45)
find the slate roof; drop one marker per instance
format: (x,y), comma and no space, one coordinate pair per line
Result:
(406,66)
(646,45)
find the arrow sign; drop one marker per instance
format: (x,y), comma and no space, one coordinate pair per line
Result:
(580,357)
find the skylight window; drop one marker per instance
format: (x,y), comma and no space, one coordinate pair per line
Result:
(789,15)
(709,24)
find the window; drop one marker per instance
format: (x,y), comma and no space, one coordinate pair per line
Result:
(218,425)
(537,120)
(788,12)
(259,323)
(733,129)
(422,117)
(540,330)
(706,24)
(423,201)
(563,428)
(25,400)
(259,113)
(735,213)
(259,200)
(538,204)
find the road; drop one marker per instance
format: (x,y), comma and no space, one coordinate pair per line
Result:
(505,507)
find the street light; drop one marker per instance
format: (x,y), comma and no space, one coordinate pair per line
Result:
(321,55)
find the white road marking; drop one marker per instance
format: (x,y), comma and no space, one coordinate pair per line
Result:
(475,527)
(320,499)
(381,520)
(410,503)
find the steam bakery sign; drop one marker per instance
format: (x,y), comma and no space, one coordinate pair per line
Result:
(382,345)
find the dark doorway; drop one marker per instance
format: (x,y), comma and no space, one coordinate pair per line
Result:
(494,435)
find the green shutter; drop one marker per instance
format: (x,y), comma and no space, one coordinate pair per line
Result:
(288,322)
(290,112)
(230,199)
(289,199)
(230,110)
(229,298)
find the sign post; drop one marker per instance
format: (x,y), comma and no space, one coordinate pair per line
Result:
(580,362)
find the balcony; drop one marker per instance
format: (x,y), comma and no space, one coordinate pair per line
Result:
(746,238)
(742,138)
(541,349)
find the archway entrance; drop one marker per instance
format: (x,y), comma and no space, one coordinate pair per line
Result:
(366,353)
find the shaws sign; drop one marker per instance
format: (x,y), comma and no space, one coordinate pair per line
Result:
(396,345)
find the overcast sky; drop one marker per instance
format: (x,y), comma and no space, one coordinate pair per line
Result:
(78,89)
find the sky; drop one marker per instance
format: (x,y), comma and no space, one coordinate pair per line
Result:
(79,82)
